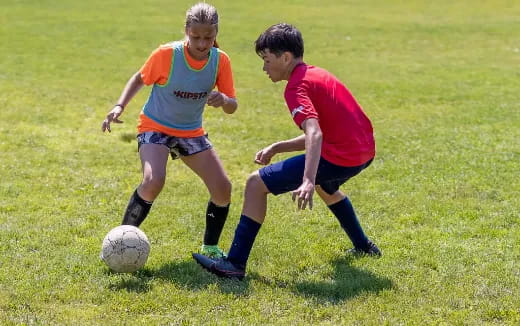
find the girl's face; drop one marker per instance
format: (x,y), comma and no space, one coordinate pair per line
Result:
(200,40)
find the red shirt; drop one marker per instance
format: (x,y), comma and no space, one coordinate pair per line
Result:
(313,92)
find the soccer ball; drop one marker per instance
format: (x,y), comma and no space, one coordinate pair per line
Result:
(125,249)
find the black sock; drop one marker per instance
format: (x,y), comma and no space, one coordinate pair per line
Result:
(346,216)
(215,219)
(136,211)
(245,235)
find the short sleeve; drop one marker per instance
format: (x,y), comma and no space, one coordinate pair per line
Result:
(224,80)
(299,103)
(156,69)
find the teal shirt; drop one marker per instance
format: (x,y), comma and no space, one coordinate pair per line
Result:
(180,102)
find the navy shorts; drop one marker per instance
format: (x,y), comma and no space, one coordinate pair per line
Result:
(178,146)
(285,176)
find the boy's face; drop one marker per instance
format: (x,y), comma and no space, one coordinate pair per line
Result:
(201,38)
(276,67)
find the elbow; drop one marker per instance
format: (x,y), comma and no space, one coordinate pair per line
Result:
(317,137)
(137,79)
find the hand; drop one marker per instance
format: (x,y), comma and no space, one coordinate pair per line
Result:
(265,155)
(216,99)
(112,116)
(304,194)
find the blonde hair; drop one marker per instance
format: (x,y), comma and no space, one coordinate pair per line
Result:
(202,13)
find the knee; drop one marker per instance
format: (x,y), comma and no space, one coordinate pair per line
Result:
(154,182)
(255,183)
(225,189)
(221,195)
(330,199)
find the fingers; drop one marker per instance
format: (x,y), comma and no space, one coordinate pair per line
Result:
(213,95)
(259,157)
(264,156)
(211,98)
(215,99)
(106,123)
(301,200)
(105,126)
(304,199)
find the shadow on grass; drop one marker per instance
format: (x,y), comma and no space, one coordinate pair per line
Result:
(187,274)
(131,282)
(346,282)
(127,137)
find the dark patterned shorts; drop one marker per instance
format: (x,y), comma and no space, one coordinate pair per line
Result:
(178,146)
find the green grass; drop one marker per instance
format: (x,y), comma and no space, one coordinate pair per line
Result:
(439,80)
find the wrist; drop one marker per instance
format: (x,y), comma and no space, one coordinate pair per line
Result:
(307,179)
(226,100)
(275,147)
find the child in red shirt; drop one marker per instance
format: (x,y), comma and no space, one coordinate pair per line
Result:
(338,142)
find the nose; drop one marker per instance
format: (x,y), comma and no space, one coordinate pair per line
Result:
(202,44)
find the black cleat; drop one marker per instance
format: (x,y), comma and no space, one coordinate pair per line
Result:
(370,250)
(220,267)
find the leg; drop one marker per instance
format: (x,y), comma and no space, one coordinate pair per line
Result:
(253,215)
(207,166)
(255,198)
(340,205)
(330,199)
(153,160)
(342,208)
(276,178)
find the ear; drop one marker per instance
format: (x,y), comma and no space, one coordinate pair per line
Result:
(287,57)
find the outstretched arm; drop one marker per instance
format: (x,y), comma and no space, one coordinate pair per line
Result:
(134,84)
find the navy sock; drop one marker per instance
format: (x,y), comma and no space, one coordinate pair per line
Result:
(136,211)
(245,235)
(215,219)
(346,216)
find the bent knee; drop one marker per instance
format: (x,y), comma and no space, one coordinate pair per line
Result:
(227,187)
(255,182)
(155,182)
(223,194)
(329,199)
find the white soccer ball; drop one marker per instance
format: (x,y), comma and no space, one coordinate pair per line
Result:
(125,249)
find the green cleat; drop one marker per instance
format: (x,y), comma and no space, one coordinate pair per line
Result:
(212,251)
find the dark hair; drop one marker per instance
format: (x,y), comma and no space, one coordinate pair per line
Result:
(202,13)
(280,38)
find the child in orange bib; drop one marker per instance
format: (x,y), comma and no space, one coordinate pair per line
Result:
(183,75)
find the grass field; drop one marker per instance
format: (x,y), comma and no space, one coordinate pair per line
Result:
(440,81)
